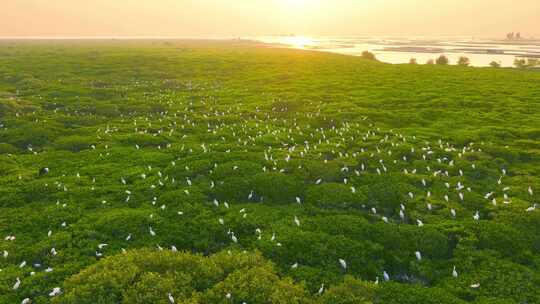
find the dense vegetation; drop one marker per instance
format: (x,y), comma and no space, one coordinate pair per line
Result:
(227,172)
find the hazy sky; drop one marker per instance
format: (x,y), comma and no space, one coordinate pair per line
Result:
(480,18)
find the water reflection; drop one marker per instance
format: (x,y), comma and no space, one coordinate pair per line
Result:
(481,52)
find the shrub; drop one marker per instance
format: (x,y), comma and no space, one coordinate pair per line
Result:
(351,291)
(442,60)
(368,55)
(532,62)
(328,172)
(498,278)
(148,276)
(179,198)
(117,224)
(233,189)
(501,237)
(520,63)
(105,109)
(256,285)
(322,250)
(277,187)
(144,140)
(333,195)
(391,293)
(384,191)
(73,143)
(233,169)
(6,148)
(25,135)
(463,61)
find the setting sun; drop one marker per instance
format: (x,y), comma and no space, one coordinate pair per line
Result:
(298,3)
(246,17)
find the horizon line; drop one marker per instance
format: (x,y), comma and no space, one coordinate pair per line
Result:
(245,37)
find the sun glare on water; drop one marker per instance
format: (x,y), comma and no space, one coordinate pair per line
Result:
(298,41)
(299,12)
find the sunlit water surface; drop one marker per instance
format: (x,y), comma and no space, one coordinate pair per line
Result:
(481,52)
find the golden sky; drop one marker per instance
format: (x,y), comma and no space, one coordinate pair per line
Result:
(480,18)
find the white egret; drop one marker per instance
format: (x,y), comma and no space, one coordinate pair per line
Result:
(321,289)
(454,272)
(55,291)
(343,264)
(17,284)
(532,208)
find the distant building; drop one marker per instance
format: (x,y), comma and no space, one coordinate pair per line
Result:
(510,36)
(513,36)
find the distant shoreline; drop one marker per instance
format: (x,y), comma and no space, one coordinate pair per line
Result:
(386,49)
(468,39)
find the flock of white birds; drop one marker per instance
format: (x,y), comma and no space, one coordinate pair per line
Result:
(282,141)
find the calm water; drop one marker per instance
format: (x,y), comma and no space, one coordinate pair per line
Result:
(481,52)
